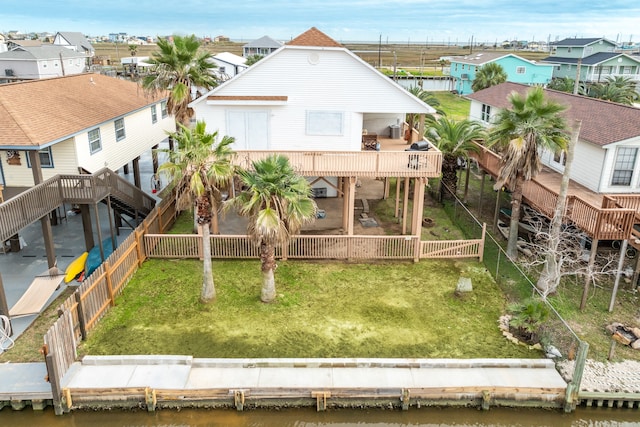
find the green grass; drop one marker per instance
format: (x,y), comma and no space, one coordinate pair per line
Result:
(322,310)
(455,106)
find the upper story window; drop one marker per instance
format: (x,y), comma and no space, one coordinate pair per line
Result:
(163,109)
(95,144)
(624,165)
(154,114)
(325,123)
(46,159)
(485,116)
(119,126)
(521,70)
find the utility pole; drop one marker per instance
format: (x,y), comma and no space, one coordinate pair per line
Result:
(576,84)
(379,51)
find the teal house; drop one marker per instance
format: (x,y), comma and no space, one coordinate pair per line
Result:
(519,70)
(596,57)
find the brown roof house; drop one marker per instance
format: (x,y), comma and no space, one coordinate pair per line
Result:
(606,157)
(81,122)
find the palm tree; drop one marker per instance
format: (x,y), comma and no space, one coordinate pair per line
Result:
(488,75)
(455,140)
(617,89)
(427,98)
(181,68)
(253,59)
(532,123)
(199,168)
(278,203)
(562,84)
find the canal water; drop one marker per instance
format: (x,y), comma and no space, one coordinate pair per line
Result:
(308,417)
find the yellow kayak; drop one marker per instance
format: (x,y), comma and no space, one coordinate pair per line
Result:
(75,268)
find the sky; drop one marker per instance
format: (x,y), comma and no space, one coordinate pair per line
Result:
(411,21)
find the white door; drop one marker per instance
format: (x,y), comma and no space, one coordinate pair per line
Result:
(249,128)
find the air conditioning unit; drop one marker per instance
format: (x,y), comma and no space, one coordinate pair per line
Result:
(464,76)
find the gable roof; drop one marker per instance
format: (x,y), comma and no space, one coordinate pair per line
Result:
(595,59)
(603,122)
(76,39)
(233,90)
(46,51)
(264,41)
(580,42)
(314,37)
(230,58)
(38,113)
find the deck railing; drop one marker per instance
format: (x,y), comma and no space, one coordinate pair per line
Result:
(372,164)
(31,205)
(613,221)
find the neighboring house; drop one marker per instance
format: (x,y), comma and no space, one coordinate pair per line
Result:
(262,46)
(519,70)
(229,65)
(41,62)
(83,122)
(74,41)
(606,157)
(596,58)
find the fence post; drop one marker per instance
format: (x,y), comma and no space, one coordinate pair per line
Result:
(482,242)
(417,246)
(54,380)
(81,319)
(107,275)
(139,243)
(285,251)
(573,388)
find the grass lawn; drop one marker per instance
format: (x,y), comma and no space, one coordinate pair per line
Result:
(455,106)
(323,309)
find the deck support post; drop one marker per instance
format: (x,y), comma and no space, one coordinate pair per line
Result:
(47,234)
(405,205)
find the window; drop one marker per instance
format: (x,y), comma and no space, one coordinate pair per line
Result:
(163,109)
(154,114)
(324,123)
(568,50)
(94,140)
(559,157)
(46,159)
(623,168)
(486,113)
(119,125)
(521,70)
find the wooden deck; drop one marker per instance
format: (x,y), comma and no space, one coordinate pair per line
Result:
(601,216)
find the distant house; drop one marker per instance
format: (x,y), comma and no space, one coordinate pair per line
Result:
(40,62)
(74,41)
(262,46)
(229,65)
(596,58)
(219,39)
(82,122)
(606,156)
(519,70)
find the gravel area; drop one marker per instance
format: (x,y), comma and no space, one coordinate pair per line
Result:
(619,377)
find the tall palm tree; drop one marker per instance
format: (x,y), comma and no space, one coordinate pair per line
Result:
(278,203)
(532,123)
(455,140)
(488,75)
(181,67)
(199,169)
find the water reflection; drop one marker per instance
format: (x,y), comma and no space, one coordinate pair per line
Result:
(308,417)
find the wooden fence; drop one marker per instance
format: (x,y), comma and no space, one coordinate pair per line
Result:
(314,247)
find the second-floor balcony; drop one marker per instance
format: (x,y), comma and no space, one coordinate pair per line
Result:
(391,160)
